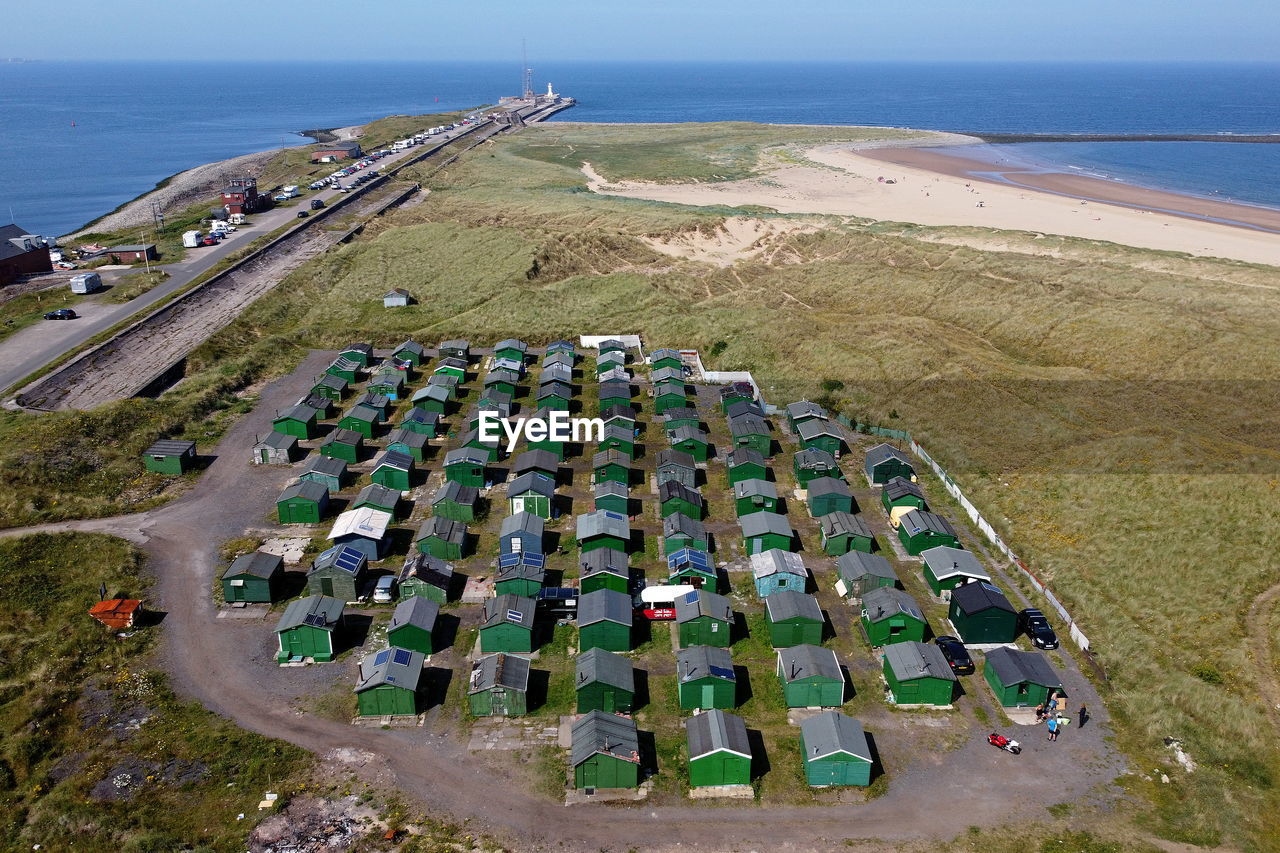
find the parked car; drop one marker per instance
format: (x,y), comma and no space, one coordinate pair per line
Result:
(302,214)
(956,654)
(1037,628)
(210,240)
(382,593)
(317,203)
(61,314)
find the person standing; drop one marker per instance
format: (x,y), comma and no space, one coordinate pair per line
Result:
(1053,728)
(1082,715)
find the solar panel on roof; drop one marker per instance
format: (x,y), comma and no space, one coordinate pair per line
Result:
(401,657)
(381,657)
(515,616)
(314,619)
(534,559)
(690,557)
(691,597)
(722,672)
(992,587)
(348,560)
(615,515)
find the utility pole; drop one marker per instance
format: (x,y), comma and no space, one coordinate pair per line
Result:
(526,81)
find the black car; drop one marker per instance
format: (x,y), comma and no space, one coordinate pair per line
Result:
(956,654)
(1032,622)
(317,203)
(61,314)
(302,214)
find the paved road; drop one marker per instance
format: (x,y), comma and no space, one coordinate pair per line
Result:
(24,353)
(228,666)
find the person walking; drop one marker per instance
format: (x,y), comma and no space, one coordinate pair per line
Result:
(1082,715)
(1053,728)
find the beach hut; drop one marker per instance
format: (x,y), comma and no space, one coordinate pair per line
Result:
(704,618)
(669,396)
(804,410)
(465,466)
(555,395)
(675,497)
(982,614)
(425,576)
(676,465)
(667,375)
(603,529)
(337,572)
(507,624)
(665,359)
(614,393)
(303,502)
(522,533)
(751,431)
(433,398)
(604,621)
(611,465)
(607,361)
(388,682)
(706,678)
(456,348)
(884,462)
(946,568)
(842,533)
(901,492)
(537,462)
(1020,679)
(505,381)
(387,382)
(719,751)
(410,443)
(514,349)
(919,531)
(499,686)
(364,529)
(679,531)
(620,437)
(394,470)
(673,419)
(604,681)
(692,441)
(815,464)
(343,445)
(413,624)
(325,471)
(298,420)
(455,502)
(604,751)
(603,568)
(612,496)
(860,572)
(410,352)
(344,368)
(777,570)
(692,567)
(451,366)
(918,674)
(794,618)
(306,629)
(421,422)
(826,495)
(623,416)
(890,615)
(490,449)
(811,677)
(360,353)
(762,531)
(736,392)
(330,387)
(754,496)
(170,456)
(822,435)
(556,370)
(746,463)
(520,574)
(378,497)
(441,537)
(533,493)
(836,751)
(252,578)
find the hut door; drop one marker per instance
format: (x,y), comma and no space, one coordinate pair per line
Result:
(265,460)
(517,505)
(708,696)
(608,701)
(326,586)
(498,704)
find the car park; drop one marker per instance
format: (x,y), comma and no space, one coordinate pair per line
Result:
(1033,623)
(956,655)
(61,314)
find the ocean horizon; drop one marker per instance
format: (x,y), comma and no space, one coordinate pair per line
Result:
(85,137)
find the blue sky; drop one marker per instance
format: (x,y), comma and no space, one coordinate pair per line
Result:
(564,30)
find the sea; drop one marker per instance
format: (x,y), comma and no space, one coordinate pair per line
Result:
(78,139)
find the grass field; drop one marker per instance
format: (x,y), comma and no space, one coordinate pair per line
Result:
(1113,410)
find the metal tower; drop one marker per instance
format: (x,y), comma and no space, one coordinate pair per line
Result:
(526,87)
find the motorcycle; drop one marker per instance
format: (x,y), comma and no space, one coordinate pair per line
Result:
(1007,744)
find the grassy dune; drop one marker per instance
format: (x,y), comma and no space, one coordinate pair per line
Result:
(1112,409)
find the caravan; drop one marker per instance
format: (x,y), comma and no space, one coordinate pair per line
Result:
(86,282)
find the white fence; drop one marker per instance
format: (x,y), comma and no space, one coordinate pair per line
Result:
(987,530)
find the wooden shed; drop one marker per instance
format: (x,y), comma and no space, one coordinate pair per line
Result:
(946,568)
(679,531)
(902,492)
(754,496)
(762,531)
(522,533)
(441,537)
(822,435)
(982,614)
(604,751)
(836,751)
(692,567)
(777,570)
(794,618)
(919,531)
(676,465)
(604,681)
(611,465)
(751,431)
(254,577)
(364,529)
(361,418)
(1021,679)
(388,683)
(170,456)
(860,572)
(884,462)
(520,574)
(499,686)
(675,497)
(811,677)
(890,615)
(603,568)
(705,678)
(719,750)
(604,621)
(465,466)
(612,496)
(826,495)
(814,464)
(842,533)
(692,441)
(298,420)
(337,572)
(343,445)
(426,576)
(918,674)
(303,502)
(603,529)
(507,624)
(275,449)
(413,624)
(394,470)
(532,493)
(746,463)
(325,470)
(804,410)
(455,502)
(704,618)
(307,627)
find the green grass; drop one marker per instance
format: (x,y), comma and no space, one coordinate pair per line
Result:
(134,284)
(59,665)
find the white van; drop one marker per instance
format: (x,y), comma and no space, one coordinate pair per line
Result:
(287,193)
(191,239)
(658,603)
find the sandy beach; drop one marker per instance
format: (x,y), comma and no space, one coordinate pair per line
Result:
(929,186)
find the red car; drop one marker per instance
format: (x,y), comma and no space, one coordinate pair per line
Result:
(210,240)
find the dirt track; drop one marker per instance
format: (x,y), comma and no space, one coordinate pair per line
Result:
(227,665)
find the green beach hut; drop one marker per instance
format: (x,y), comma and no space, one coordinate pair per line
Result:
(455,502)
(433,398)
(679,532)
(426,576)
(303,502)
(822,435)
(762,531)
(746,463)
(704,618)
(719,750)
(533,493)
(676,465)
(465,466)
(410,443)
(890,615)
(326,471)
(842,533)
(603,568)
(603,529)
(298,420)
(378,497)
(507,624)
(441,537)
(413,623)
(752,431)
(604,681)
(330,387)
(918,674)
(520,574)
(814,464)
(612,496)
(692,441)
(884,462)
(860,572)
(394,470)
(343,444)
(605,751)
(836,751)
(1020,679)
(306,629)
(811,677)
(604,621)
(361,418)
(387,685)
(946,568)
(706,678)
(420,422)
(252,578)
(754,496)
(919,531)
(611,465)
(826,495)
(412,352)
(675,497)
(794,618)
(900,492)
(673,419)
(499,686)
(170,456)
(337,572)
(982,614)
